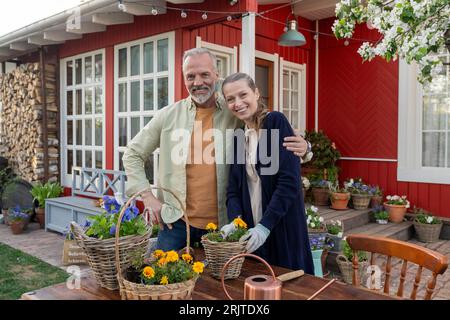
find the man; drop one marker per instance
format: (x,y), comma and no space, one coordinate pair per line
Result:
(200,180)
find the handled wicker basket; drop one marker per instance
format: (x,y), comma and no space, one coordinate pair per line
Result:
(101,254)
(137,291)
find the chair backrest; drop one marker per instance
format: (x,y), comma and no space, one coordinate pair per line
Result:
(425,258)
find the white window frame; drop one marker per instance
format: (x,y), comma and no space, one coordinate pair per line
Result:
(170,74)
(409,131)
(230,54)
(66,179)
(301,69)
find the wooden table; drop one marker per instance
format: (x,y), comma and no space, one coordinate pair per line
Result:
(208,288)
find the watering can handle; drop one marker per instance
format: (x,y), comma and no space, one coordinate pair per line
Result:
(240,256)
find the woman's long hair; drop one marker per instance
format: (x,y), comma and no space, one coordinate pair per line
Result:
(261,112)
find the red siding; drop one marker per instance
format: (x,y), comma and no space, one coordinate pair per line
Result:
(358,109)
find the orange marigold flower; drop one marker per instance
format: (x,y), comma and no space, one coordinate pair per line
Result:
(164,280)
(211,227)
(162,262)
(238,222)
(172,256)
(198,267)
(148,272)
(187,257)
(159,254)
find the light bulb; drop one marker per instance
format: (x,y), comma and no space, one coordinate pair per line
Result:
(183,14)
(316,36)
(154,11)
(229,18)
(346,43)
(204,16)
(122,6)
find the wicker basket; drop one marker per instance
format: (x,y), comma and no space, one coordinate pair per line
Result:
(346,269)
(361,201)
(427,232)
(101,254)
(137,291)
(217,255)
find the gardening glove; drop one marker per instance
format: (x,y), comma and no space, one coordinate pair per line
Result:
(257,236)
(228,229)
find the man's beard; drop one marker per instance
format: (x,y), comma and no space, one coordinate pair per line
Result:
(202,98)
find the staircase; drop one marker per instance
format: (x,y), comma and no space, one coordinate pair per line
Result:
(362,222)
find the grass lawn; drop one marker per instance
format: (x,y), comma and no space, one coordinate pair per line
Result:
(20,273)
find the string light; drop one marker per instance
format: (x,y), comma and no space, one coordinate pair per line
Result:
(183,14)
(346,43)
(229,18)
(154,11)
(204,16)
(122,6)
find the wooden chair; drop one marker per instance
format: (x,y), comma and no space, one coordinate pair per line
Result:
(425,258)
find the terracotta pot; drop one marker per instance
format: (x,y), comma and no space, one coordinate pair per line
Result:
(17,227)
(376,201)
(339,201)
(396,212)
(321,196)
(40,216)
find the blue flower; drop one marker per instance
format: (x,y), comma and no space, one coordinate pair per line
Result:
(111,205)
(87,224)
(112,231)
(130,213)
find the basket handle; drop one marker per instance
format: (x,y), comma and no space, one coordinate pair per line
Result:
(240,256)
(129,202)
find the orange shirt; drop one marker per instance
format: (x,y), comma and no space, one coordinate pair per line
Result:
(201,178)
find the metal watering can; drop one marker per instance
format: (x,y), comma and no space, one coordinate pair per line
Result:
(261,287)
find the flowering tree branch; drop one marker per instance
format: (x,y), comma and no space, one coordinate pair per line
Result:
(411,29)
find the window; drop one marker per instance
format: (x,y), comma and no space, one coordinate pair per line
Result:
(144,84)
(82,107)
(424,125)
(293,94)
(226,57)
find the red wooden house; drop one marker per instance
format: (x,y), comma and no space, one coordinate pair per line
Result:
(117,68)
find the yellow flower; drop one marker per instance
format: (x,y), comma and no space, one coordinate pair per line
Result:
(149,272)
(187,257)
(198,267)
(238,222)
(211,227)
(159,254)
(164,280)
(172,256)
(162,262)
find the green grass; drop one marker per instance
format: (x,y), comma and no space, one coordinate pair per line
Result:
(21,273)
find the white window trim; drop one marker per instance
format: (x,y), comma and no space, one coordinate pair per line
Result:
(171,90)
(222,51)
(301,68)
(66,179)
(409,133)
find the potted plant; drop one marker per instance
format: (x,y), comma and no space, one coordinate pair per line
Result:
(396,206)
(17,220)
(305,186)
(317,233)
(345,262)
(381,216)
(220,249)
(377,196)
(41,192)
(339,197)
(427,227)
(321,192)
(360,192)
(335,234)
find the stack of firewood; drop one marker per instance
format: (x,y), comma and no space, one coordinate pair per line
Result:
(21,121)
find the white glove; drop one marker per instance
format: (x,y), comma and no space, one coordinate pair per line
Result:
(258,235)
(228,229)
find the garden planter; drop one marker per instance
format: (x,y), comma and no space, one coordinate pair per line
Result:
(339,201)
(321,196)
(17,227)
(40,216)
(317,260)
(346,268)
(361,201)
(336,242)
(396,212)
(427,232)
(376,201)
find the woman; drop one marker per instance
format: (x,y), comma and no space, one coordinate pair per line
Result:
(271,204)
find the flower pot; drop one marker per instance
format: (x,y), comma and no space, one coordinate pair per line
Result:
(317,260)
(346,268)
(321,196)
(17,227)
(396,212)
(40,216)
(380,221)
(427,232)
(361,201)
(376,201)
(339,201)
(335,241)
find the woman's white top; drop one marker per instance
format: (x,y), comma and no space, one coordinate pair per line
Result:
(253,180)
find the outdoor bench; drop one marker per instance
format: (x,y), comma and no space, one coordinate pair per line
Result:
(88,185)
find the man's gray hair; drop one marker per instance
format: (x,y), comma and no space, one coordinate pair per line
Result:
(198,51)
